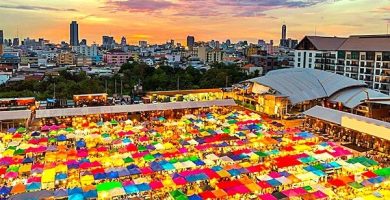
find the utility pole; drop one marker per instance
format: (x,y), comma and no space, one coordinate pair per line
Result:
(226,81)
(54,95)
(115,86)
(105,80)
(178,83)
(121,87)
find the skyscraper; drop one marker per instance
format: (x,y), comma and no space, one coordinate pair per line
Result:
(108,42)
(190,41)
(1,37)
(74,34)
(283,40)
(16,42)
(123,41)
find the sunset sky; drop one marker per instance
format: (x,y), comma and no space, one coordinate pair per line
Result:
(161,20)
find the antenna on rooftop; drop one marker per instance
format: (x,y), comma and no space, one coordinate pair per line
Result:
(387,29)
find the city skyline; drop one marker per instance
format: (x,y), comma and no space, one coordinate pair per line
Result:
(158,21)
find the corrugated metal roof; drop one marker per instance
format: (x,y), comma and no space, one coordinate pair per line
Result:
(131,108)
(355,96)
(302,84)
(326,43)
(15,114)
(336,117)
(367,43)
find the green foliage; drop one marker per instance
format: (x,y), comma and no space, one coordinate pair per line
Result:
(162,78)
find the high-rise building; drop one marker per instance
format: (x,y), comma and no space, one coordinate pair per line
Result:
(283,40)
(190,41)
(1,37)
(16,42)
(108,42)
(361,57)
(83,42)
(143,44)
(123,41)
(228,42)
(74,34)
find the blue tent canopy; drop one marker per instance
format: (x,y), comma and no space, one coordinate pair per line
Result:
(143,187)
(5,190)
(61,176)
(77,196)
(75,190)
(113,174)
(61,193)
(217,168)
(123,172)
(99,176)
(33,186)
(28,160)
(155,166)
(198,162)
(91,194)
(80,143)
(234,172)
(130,189)
(274,182)
(61,138)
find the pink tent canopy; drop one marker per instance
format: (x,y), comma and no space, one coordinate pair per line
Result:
(267,197)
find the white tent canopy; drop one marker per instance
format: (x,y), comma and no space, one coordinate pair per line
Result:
(362,124)
(131,108)
(15,114)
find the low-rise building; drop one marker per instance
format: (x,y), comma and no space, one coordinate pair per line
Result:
(66,58)
(116,57)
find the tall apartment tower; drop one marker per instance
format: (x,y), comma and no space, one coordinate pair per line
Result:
(284,32)
(74,34)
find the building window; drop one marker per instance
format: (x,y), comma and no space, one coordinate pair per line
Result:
(379,57)
(362,71)
(309,65)
(299,54)
(310,54)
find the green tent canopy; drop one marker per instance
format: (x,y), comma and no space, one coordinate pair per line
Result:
(385,172)
(21,130)
(128,160)
(107,186)
(148,157)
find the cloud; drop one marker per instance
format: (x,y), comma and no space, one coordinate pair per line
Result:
(27,7)
(138,5)
(209,8)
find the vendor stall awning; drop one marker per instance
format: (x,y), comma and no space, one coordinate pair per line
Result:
(131,108)
(15,114)
(362,124)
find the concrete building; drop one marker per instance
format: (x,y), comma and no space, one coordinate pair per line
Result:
(201,53)
(143,44)
(190,41)
(116,57)
(29,61)
(361,57)
(123,41)
(89,51)
(74,34)
(283,90)
(66,58)
(108,42)
(214,56)
(83,61)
